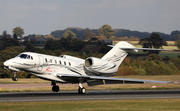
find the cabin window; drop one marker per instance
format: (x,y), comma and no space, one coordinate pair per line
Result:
(50,60)
(55,62)
(59,62)
(31,58)
(64,63)
(69,64)
(45,59)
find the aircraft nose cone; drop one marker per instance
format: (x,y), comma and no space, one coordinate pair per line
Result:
(7,63)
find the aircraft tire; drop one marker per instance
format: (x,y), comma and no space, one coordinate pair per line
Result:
(55,88)
(14,78)
(81,90)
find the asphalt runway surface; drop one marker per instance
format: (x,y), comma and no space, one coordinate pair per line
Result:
(90,95)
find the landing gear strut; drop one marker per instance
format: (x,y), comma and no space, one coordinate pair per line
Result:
(81,89)
(14,78)
(55,88)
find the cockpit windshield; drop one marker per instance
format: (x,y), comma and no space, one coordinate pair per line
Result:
(25,56)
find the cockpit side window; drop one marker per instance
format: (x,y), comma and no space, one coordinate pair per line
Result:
(23,56)
(28,56)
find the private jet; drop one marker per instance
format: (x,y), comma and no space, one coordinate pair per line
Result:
(69,69)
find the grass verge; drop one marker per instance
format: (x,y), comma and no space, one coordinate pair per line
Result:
(105,105)
(23,81)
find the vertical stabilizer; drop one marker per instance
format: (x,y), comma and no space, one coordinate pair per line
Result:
(116,54)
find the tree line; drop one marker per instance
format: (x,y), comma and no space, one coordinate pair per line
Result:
(117,33)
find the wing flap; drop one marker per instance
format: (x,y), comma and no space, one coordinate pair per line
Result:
(95,82)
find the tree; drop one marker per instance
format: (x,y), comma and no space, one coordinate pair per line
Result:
(69,35)
(29,47)
(52,45)
(38,36)
(18,31)
(177,42)
(106,30)
(15,36)
(49,37)
(153,41)
(9,42)
(154,57)
(89,34)
(4,35)
(10,52)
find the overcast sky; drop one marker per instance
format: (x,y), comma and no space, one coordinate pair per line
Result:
(45,16)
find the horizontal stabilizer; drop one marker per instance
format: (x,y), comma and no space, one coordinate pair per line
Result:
(145,49)
(131,48)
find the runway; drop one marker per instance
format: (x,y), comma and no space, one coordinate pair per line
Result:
(90,95)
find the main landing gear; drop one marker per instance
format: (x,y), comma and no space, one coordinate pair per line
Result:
(14,78)
(81,89)
(55,88)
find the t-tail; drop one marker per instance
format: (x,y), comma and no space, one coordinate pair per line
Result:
(119,52)
(109,63)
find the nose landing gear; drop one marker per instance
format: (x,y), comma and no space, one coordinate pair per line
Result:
(14,78)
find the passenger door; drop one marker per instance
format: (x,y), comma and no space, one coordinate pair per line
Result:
(40,67)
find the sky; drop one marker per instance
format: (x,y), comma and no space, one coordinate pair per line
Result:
(45,16)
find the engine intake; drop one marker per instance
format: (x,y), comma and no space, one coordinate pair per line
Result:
(88,62)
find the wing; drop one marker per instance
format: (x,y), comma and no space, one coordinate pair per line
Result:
(99,80)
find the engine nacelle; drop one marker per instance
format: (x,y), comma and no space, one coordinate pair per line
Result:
(100,67)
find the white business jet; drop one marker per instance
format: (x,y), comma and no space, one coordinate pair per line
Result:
(69,69)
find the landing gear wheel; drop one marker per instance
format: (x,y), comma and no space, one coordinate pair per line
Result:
(55,88)
(14,78)
(81,90)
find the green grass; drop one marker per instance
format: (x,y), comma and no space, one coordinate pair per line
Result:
(24,80)
(164,54)
(169,54)
(105,105)
(164,47)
